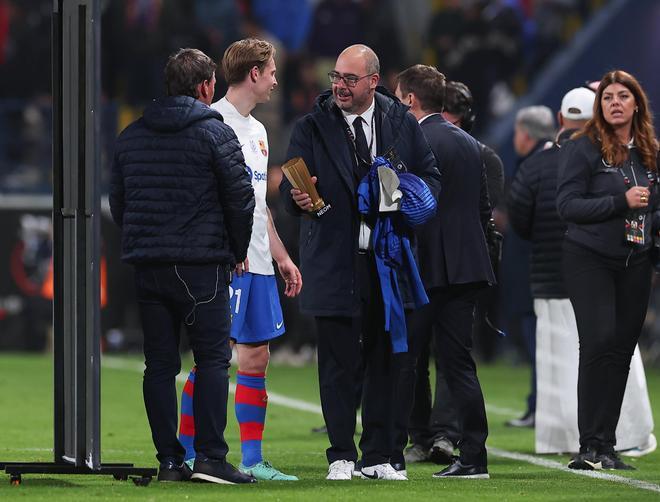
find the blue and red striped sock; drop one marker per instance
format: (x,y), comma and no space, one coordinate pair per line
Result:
(251,402)
(187,423)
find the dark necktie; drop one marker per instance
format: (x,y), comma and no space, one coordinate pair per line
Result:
(361,149)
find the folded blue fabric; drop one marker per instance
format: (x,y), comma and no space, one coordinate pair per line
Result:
(392,247)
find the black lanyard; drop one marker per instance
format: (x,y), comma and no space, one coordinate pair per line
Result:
(635,219)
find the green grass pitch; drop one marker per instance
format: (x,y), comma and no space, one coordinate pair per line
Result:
(26,435)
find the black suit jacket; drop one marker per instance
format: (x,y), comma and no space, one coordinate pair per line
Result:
(328,245)
(452,246)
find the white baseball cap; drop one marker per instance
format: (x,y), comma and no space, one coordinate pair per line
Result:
(578,104)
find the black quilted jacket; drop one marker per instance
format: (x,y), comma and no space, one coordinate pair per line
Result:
(180,190)
(532,207)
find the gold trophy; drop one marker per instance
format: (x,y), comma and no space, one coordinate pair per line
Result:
(298,175)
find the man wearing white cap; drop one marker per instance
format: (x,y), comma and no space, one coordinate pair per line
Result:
(533,215)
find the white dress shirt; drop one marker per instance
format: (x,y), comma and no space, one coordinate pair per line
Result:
(369,128)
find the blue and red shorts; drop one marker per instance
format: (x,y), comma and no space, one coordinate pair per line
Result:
(255,308)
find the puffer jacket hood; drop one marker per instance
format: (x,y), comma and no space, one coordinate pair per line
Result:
(175,113)
(323,101)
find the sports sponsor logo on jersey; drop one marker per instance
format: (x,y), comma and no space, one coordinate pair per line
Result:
(257,175)
(262,147)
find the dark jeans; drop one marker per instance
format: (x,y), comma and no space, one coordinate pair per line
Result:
(351,349)
(451,310)
(198,296)
(610,300)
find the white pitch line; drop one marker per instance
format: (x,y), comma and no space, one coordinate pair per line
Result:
(300,405)
(507,412)
(552,464)
(297,404)
(274,398)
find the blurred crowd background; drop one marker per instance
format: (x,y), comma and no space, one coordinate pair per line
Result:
(499,48)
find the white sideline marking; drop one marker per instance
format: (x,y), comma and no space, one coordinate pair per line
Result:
(296,404)
(274,398)
(300,405)
(552,464)
(507,412)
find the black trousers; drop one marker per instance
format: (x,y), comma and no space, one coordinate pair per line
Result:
(610,298)
(437,417)
(198,296)
(451,311)
(351,349)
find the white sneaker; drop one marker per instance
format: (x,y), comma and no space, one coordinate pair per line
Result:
(340,470)
(645,449)
(383,471)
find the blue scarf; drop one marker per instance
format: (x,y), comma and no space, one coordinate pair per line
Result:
(392,250)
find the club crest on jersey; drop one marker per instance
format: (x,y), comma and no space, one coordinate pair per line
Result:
(262,147)
(253,146)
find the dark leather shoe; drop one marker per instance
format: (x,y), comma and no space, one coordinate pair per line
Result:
(442,451)
(527,420)
(586,460)
(169,470)
(219,471)
(611,461)
(465,471)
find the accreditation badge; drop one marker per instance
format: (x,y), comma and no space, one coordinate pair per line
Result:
(634,225)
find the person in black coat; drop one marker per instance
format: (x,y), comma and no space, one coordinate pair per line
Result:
(434,426)
(347,128)
(532,210)
(607,193)
(455,266)
(532,204)
(182,196)
(459,110)
(534,127)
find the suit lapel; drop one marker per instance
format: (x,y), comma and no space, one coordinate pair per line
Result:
(383,129)
(332,131)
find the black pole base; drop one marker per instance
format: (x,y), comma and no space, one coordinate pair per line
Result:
(141,476)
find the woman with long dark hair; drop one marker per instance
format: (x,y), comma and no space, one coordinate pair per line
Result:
(608,194)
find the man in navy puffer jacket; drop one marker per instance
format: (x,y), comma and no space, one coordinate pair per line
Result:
(184,201)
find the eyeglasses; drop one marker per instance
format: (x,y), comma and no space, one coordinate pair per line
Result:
(349,80)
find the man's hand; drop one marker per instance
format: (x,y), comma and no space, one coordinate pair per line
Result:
(242,267)
(302,199)
(292,277)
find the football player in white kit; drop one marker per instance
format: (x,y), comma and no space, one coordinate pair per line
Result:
(249,69)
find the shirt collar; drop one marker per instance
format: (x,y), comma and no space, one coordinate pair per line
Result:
(233,111)
(366,115)
(427,116)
